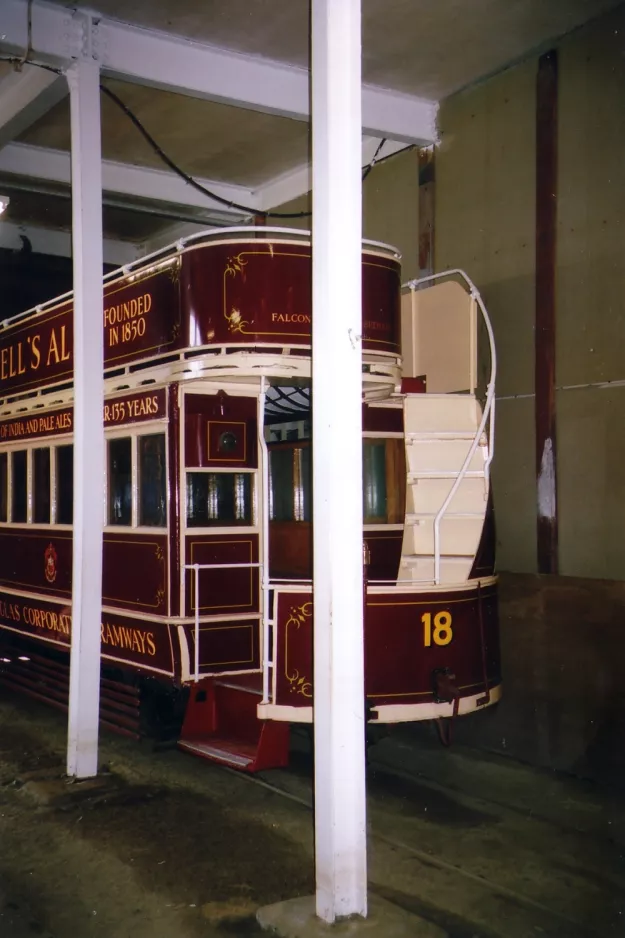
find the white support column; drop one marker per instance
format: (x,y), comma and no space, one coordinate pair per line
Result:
(84,689)
(340,808)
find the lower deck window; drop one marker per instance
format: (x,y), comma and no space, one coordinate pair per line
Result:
(152,480)
(65,484)
(41,486)
(4,486)
(120,481)
(219,498)
(19,462)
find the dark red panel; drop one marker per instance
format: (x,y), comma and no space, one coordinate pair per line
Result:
(36,560)
(384,554)
(134,573)
(294,660)
(131,408)
(399,662)
(138,642)
(207,418)
(261,292)
(50,423)
(125,640)
(545,331)
(382,419)
(49,622)
(223,590)
(135,408)
(227,645)
(141,319)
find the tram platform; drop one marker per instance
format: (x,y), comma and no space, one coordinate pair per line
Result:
(468,845)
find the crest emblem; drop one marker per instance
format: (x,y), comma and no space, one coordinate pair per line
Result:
(50,563)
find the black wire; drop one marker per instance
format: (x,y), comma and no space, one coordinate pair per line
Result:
(180,172)
(189,179)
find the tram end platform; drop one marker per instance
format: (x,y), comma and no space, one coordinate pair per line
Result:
(296,918)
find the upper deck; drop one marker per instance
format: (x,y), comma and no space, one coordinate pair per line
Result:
(229,289)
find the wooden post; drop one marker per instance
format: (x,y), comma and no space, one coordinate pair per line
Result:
(545,331)
(427,188)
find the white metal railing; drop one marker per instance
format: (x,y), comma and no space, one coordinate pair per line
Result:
(488,416)
(267,652)
(196,567)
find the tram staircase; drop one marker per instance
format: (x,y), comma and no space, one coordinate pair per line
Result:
(440,430)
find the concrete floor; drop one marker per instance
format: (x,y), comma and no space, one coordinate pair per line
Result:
(167,845)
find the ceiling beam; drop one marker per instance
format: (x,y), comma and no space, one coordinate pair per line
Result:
(168,62)
(59,243)
(25,96)
(138,182)
(298,182)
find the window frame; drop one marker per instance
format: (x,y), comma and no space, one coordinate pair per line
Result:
(186,528)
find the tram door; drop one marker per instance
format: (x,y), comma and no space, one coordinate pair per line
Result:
(221,529)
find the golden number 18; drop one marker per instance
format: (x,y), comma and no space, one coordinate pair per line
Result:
(438,632)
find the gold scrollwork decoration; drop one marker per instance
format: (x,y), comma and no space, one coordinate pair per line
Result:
(235,321)
(160,596)
(159,552)
(299,684)
(235,265)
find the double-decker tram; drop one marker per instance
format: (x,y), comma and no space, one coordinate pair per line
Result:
(208,601)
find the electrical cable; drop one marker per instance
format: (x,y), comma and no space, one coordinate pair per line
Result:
(189,180)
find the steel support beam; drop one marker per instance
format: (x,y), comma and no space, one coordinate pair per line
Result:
(84,688)
(25,96)
(139,182)
(340,808)
(176,64)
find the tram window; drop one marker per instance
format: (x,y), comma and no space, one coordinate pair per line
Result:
(374,481)
(4,486)
(281,485)
(290,484)
(152,481)
(65,484)
(384,481)
(219,498)
(120,481)
(19,493)
(41,486)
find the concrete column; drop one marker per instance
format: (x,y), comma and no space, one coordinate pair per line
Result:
(84,688)
(340,809)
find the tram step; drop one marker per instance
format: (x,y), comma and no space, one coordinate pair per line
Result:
(443,455)
(440,412)
(420,568)
(426,495)
(459,534)
(221,724)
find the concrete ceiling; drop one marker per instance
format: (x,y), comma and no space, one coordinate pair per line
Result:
(415,53)
(430,48)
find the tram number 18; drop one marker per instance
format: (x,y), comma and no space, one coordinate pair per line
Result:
(437,630)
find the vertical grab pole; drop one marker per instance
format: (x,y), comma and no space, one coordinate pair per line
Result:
(339,698)
(264,567)
(196,574)
(84,681)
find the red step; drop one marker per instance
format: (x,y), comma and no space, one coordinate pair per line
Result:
(221,725)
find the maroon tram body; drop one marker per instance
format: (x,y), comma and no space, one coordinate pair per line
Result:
(207,578)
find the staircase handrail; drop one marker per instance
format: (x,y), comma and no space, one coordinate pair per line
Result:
(488,415)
